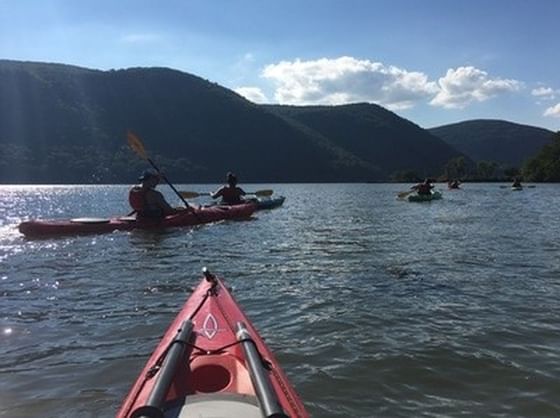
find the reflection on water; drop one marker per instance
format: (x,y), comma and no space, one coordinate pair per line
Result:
(374,306)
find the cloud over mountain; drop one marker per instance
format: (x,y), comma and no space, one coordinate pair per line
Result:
(465,85)
(553,111)
(254,94)
(347,79)
(543,92)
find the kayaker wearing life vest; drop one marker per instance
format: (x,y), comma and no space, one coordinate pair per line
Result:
(146,201)
(230,194)
(424,188)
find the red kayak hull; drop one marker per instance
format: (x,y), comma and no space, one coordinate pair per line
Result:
(198,216)
(213,363)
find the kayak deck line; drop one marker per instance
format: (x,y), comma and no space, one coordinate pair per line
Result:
(212,362)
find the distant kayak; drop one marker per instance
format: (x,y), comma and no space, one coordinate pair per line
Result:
(516,188)
(424,197)
(212,363)
(201,215)
(268,203)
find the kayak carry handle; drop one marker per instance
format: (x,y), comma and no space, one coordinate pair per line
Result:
(208,276)
(268,400)
(152,409)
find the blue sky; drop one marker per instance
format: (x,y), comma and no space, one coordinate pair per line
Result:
(433,61)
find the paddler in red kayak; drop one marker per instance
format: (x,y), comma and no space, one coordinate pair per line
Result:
(424,188)
(231,194)
(148,202)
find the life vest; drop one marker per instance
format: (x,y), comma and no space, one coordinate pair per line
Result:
(424,189)
(231,195)
(137,198)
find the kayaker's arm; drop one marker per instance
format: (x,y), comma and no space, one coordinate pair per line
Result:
(218,193)
(158,200)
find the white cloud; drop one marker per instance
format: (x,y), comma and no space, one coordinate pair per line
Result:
(553,111)
(542,92)
(464,85)
(346,79)
(140,38)
(254,94)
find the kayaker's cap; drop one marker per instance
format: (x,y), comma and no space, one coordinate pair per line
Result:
(148,174)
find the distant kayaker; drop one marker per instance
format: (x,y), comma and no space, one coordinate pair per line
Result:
(424,188)
(148,202)
(516,182)
(453,184)
(230,194)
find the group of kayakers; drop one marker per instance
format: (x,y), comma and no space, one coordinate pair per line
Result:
(147,202)
(425,188)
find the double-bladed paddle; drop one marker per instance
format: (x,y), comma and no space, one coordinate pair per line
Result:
(192,195)
(138,147)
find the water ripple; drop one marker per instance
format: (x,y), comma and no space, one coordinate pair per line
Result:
(373,306)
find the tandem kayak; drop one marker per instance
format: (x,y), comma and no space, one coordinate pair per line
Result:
(75,226)
(424,197)
(212,363)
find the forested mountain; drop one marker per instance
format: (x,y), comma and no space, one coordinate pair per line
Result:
(376,135)
(66,124)
(506,143)
(545,166)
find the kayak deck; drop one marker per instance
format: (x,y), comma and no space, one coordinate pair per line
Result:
(424,197)
(268,203)
(212,363)
(212,406)
(76,226)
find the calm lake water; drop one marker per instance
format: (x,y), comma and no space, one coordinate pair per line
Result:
(374,307)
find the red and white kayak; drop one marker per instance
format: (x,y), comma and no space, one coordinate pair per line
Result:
(212,363)
(200,215)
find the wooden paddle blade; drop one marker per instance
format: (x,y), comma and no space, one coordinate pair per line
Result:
(266,192)
(404,194)
(136,145)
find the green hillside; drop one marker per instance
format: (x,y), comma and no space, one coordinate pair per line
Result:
(507,143)
(377,135)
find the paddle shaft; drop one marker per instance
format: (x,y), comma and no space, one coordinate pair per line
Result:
(165,374)
(192,195)
(268,400)
(167,181)
(138,147)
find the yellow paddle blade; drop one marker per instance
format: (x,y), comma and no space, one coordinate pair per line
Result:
(266,192)
(136,145)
